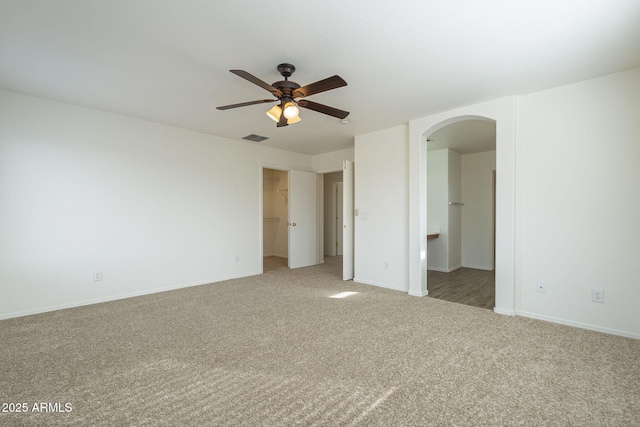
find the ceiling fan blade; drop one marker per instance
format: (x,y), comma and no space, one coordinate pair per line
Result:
(329,83)
(253,79)
(244,104)
(324,109)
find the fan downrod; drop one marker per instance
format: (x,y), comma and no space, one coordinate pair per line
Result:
(286,70)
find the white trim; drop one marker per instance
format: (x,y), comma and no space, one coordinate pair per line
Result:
(380,285)
(503,312)
(330,170)
(419,294)
(445,270)
(478,267)
(579,325)
(276,255)
(121,296)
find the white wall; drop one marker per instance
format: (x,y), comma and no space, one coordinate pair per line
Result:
(477,212)
(438,209)
(151,206)
(577,153)
(155,207)
(332,162)
(578,213)
(454,211)
(466,232)
(381,182)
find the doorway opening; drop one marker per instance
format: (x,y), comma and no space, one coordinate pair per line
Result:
(461,164)
(333,195)
(275,217)
(293,218)
(336,219)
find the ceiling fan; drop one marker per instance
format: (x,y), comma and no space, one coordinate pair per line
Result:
(286,91)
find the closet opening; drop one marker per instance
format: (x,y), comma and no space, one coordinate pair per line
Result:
(275,216)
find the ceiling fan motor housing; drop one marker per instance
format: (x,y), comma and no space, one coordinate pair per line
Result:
(286,87)
(286,70)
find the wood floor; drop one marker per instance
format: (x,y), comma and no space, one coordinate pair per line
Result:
(468,286)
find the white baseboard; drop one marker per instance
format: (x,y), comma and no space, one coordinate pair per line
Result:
(503,311)
(478,267)
(276,255)
(444,270)
(419,294)
(387,286)
(380,285)
(579,325)
(118,297)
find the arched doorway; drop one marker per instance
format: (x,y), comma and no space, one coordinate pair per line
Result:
(501,111)
(460,212)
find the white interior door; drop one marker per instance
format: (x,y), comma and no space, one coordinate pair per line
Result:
(302,219)
(348,220)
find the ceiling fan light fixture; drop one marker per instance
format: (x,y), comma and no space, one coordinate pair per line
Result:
(291,110)
(294,120)
(274,113)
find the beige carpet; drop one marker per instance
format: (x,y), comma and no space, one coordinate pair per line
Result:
(275,350)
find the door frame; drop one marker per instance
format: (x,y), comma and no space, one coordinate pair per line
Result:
(262,167)
(502,111)
(321,206)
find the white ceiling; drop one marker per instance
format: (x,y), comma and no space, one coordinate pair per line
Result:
(167,60)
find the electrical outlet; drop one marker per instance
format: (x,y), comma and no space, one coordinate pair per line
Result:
(386,265)
(541,287)
(237,258)
(97,276)
(597,295)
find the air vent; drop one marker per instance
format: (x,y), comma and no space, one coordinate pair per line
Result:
(255,138)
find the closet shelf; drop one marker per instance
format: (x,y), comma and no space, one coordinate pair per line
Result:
(285,193)
(269,183)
